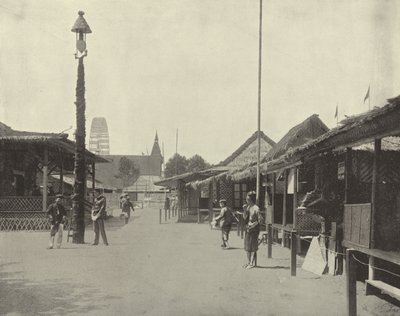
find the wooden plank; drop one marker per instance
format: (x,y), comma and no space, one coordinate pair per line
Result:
(385,288)
(365,228)
(390,256)
(355,224)
(347,223)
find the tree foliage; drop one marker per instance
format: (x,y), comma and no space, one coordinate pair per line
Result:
(128,172)
(197,163)
(177,164)
(180,164)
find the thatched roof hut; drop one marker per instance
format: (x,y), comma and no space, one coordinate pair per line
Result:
(309,129)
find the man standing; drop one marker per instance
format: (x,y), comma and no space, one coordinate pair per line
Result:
(57,215)
(127,207)
(98,215)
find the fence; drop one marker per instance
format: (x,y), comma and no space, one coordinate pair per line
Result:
(25,213)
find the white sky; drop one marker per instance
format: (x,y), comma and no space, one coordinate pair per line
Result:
(190,64)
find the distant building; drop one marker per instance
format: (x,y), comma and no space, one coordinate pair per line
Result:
(148,165)
(99,141)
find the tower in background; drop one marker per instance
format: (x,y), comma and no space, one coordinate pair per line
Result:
(99,141)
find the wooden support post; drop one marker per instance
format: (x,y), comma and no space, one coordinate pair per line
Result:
(269,241)
(165,211)
(347,175)
(371,271)
(160,219)
(295,178)
(293,253)
(285,181)
(242,226)
(198,215)
(45,170)
(273,193)
(61,173)
(375,188)
(169,213)
(93,180)
(351,285)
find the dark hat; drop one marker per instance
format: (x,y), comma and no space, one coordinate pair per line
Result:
(59,196)
(222,201)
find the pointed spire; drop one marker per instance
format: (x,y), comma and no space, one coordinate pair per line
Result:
(156,151)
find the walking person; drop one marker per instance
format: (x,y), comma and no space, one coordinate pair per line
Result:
(167,204)
(127,207)
(225,219)
(98,215)
(57,215)
(253,219)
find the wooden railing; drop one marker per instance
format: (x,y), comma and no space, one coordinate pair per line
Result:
(25,212)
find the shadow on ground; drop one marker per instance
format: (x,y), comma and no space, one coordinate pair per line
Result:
(53,297)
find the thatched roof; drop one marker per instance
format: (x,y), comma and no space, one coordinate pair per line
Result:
(53,140)
(251,156)
(353,131)
(309,129)
(191,177)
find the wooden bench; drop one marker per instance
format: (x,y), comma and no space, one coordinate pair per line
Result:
(372,285)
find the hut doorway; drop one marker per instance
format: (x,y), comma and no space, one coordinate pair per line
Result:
(19,184)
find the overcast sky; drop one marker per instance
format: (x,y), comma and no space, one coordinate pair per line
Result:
(190,64)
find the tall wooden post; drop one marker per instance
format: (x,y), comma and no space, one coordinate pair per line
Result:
(45,171)
(61,173)
(295,176)
(284,206)
(347,175)
(375,187)
(269,240)
(259,107)
(80,159)
(80,28)
(273,193)
(210,201)
(351,283)
(93,180)
(293,253)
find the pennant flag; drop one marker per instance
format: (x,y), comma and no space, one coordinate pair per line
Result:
(336,113)
(367,95)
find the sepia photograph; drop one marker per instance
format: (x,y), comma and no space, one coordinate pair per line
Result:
(200,157)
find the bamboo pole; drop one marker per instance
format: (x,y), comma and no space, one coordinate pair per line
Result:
(45,170)
(259,108)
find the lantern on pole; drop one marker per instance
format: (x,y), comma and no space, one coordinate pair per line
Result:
(81,28)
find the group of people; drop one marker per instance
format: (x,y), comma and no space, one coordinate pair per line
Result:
(252,219)
(57,215)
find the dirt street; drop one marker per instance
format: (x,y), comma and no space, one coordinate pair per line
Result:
(167,269)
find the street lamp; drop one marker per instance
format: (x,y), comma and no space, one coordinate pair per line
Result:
(80,28)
